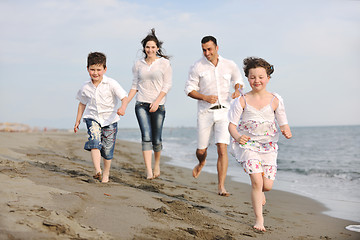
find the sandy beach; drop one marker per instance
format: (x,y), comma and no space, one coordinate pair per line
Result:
(47,192)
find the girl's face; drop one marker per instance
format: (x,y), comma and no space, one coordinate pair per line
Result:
(151,49)
(258,78)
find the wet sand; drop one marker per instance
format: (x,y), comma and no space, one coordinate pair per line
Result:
(47,192)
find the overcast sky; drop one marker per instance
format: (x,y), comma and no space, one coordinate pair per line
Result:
(313,45)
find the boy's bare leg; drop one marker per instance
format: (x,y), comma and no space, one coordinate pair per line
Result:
(147,159)
(201,156)
(96,159)
(157,164)
(106,172)
(222,166)
(257,197)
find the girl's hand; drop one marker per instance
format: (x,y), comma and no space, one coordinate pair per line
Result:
(243,139)
(285,130)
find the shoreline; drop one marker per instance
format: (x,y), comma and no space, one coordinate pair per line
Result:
(50,193)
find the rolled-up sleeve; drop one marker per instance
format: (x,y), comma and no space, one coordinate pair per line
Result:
(193,81)
(118,90)
(135,81)
(236,77)
(81,96)
(167,79)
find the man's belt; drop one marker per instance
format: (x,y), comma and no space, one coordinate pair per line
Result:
(217,107)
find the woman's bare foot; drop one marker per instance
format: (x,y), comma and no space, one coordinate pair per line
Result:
(156,171)
(197,169)
(149,176)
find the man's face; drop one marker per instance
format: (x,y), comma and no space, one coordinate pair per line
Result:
(210,51)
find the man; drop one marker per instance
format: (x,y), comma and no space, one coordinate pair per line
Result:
(210,79)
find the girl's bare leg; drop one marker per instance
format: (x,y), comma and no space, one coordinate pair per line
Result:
(106,172)
(147,159)
(157,164)
(257,197)
(267,186)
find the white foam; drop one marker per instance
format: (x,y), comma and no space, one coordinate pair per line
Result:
(354,228)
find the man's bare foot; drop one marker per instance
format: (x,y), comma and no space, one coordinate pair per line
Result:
(264,200)
(224,194)
(197,169)
(156,171)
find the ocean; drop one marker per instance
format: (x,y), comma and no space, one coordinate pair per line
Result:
(322,163)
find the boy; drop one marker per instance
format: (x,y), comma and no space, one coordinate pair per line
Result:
(99,99)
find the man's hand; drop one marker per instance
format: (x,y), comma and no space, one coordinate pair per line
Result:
(211,98)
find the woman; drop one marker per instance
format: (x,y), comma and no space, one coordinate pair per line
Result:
(152,81)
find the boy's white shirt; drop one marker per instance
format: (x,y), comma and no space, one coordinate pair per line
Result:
(101,101)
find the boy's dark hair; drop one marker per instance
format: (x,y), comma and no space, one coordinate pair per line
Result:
(152,37)
(254,62)
(96,58)
(207,39)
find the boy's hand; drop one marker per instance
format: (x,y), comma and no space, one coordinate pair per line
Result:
(76,127)
(243,139)
(121,111)
(285,130)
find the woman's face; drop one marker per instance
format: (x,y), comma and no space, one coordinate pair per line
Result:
(151,49)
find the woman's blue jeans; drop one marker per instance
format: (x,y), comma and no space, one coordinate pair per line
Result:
(151,125)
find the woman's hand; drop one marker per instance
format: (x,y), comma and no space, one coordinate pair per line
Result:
(154,106)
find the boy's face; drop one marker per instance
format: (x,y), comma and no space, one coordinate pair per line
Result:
(96,72)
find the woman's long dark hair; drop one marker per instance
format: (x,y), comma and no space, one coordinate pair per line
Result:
(152,37)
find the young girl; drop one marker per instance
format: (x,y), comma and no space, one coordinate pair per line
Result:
(152,81)
(255,134)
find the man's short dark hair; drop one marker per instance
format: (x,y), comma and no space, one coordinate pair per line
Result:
(209,38)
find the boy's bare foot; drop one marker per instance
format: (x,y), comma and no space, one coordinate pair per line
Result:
(264,200)
(197,169)
(97,176)
(156,171)
(105,178)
